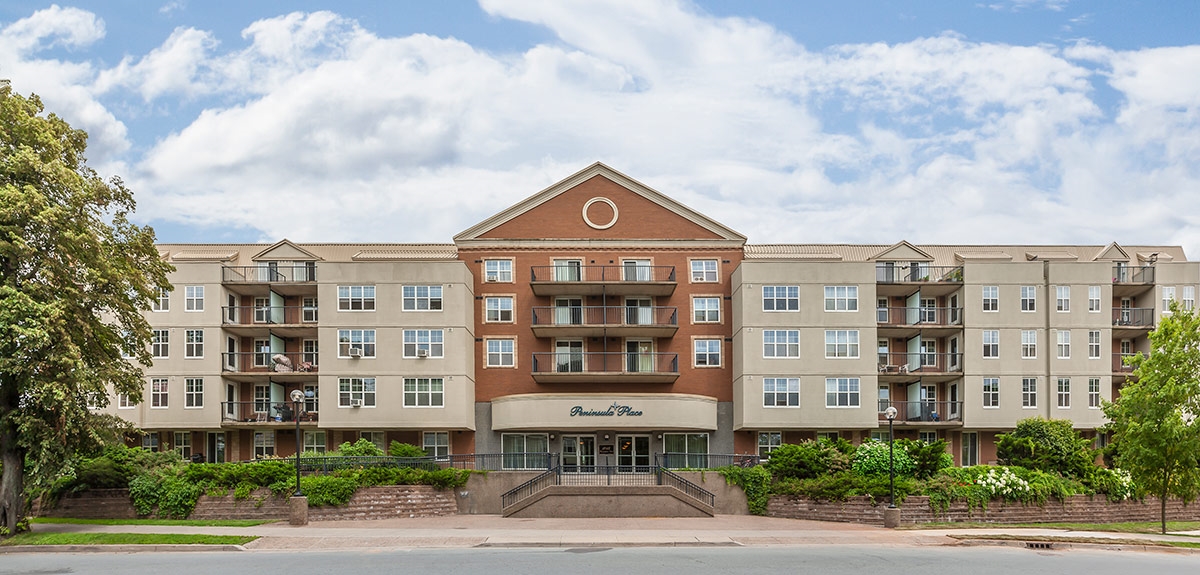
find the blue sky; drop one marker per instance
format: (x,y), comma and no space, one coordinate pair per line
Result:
(1003,121)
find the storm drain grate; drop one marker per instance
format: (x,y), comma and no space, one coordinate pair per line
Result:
(1038,545)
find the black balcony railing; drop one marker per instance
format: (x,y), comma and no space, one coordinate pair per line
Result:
(267,315)
(264,411)
(1133,274)
(605,362)
(919,362)
(606,274)
(924,316)
(270,273)
(1133,317)
(892,273)
(608,316)
(922,411)
(705,460)
(268,362)
(1120,364)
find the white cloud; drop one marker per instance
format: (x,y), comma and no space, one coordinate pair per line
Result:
(173,68)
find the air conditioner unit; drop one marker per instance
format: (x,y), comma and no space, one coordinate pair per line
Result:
(355,403)
(422,353)
(355,352)
(491,279)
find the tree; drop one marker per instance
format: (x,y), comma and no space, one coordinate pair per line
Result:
(74,277)
(1154,421)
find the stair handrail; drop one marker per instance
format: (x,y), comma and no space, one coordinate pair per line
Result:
(524,491)
(671,479)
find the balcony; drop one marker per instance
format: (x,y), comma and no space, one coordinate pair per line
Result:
(600,321)
(263,365)
(923,413)
(895,280)
(263,413)
(597,280)
(1133,318)
(1119,365)
(285,321)
(929,367)
(285,280)
(605,367)
(909,321)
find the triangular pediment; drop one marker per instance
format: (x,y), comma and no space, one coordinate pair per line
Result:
(285,251)
(902,251)
(1112,253)
(599,204)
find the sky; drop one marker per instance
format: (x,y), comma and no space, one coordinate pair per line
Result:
(932,121)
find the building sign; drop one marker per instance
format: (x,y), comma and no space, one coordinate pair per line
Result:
(614,410)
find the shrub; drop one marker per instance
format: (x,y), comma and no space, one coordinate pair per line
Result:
(362,448)
(1049,445)
(809,459)
(397,449)
(144,491)
(1116,484)
(755,481)
(928,458)
(327,489)
(100,473)
(874,458)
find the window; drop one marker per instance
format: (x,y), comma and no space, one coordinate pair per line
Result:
(500,353)
(314,441)
(1063,298)
(310,352)
(356,298)
(928,310)
(1064,393)
(881,310)
(838,343)
(875,435)
(424,392)
(1094,393)
(125,402)
(498,271)
(356,391)
(991,392)
(150,442)
(158,392)
(970,449)
(1064,344)
(1093,299)
(929,357)
(841,298)
(841,392)
(1168,294)
(360,339)
(781,392)
(781,343)
(193,392)
(525,450)
(264,444)
(422,298)
(568,270)
(183,444)
(262,309)
(768,441)
(991,343)
(193,298)
(312,398)
(1028,344)
(706,309)
(927,436)
(499,309)
(1094,344)
(1029,392)
(685,450)
(262,352)
(781,298)
(160,343)
(704,271)
(262,398)
(423,342)
(708,352)
(162,302)
(379,438)
(991,298)
(308,310)
(1189,297)
(1028,298)
(436,444)
(193,343)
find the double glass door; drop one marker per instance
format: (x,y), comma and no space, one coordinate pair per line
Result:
(579,453)
(633,453)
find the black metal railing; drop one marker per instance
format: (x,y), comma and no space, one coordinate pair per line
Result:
(268,362)
(501,461)
(705,460)
(908,316)
(264,411)
(605,362)
(619,274)
(1133,274)
(323,464)
(909,273)
(704,496)
(1133,317)
(530,488)
(608,476)
(1119,362)
(607,316)
(267,314)
(919,362)
(269,273)
(923,411)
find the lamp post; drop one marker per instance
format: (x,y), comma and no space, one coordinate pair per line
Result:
(890,413)
(297,397)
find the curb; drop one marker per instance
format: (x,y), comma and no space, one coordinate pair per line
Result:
(1031,544)
(117,548)
(607,545)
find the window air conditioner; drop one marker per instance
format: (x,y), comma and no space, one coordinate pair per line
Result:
(491,279)
(355,352)
(422,353)
(355,403)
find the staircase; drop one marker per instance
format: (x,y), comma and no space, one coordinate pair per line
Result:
(609,491)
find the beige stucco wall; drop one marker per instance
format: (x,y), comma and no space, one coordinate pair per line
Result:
(658,411)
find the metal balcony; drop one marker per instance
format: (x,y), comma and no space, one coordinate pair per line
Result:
(1134,318)
(269,273)
(924,413)
(264,413)
(605,367)
(599,321)
(900,367)
(596,280)
(263,365)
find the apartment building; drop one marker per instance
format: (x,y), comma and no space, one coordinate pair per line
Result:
(602,320)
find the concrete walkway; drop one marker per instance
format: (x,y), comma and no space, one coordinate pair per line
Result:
(497,531)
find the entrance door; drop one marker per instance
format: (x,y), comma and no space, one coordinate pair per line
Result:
(633,453)
(215,452)
(579,453)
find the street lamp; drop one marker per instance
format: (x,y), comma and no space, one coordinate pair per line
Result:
(297,397)
(890,414)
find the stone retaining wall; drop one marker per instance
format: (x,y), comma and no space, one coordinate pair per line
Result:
(387,502)
(91,504)
(261,504)
(915,509)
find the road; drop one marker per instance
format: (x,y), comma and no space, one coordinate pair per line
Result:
(835,560)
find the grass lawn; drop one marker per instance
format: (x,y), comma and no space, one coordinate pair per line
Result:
(1131,527)
(124,539)
(191,522)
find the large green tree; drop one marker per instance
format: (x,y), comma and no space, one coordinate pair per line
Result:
(74,275)
(1154,421)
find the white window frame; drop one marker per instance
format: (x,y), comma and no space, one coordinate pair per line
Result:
(1189,297)
(991,393)
(498,271)
(310,351)
(264,444)
(498,309)
(1094,302)
(193,392)
(991,349)
(777,388)
(378,438)
(363,339)
(1028,344)
(705,350)
(125,402)
(1064,344)
(1029,393)
(841,298)
(193,298)
(1062,299)
(162,302)
(840,344)
(160,343)
(193,346)
(308,310)
(436,444)
(991,298)
(160,393)
(1168,294)
(1064,393)
(433,341)
(497,356)
(416,296)
(312,398)
(768,441)
(1095,340)
(702,272)
(356,298)
(852,392)
(772,346)
(706,309)
(150,442)
(790,298)
(430,395)
(1028,298)
(1094,393)
(360,388)
(182,444)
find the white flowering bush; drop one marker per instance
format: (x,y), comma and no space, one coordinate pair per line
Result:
(1001,482)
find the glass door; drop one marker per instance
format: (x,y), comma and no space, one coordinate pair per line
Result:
(568,311)
(567,270)
(579,453)
(637,270)
(633,453)
(640,356)
(215,452)
(639,311)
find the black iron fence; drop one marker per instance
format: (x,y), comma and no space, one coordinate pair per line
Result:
(705,460)
(923,411)
(605,362)
(916,272)
(1133,317)
(609,316)
(622,273)
(1133,274)
(270,273)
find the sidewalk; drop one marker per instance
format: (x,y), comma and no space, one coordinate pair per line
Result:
(497,531)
